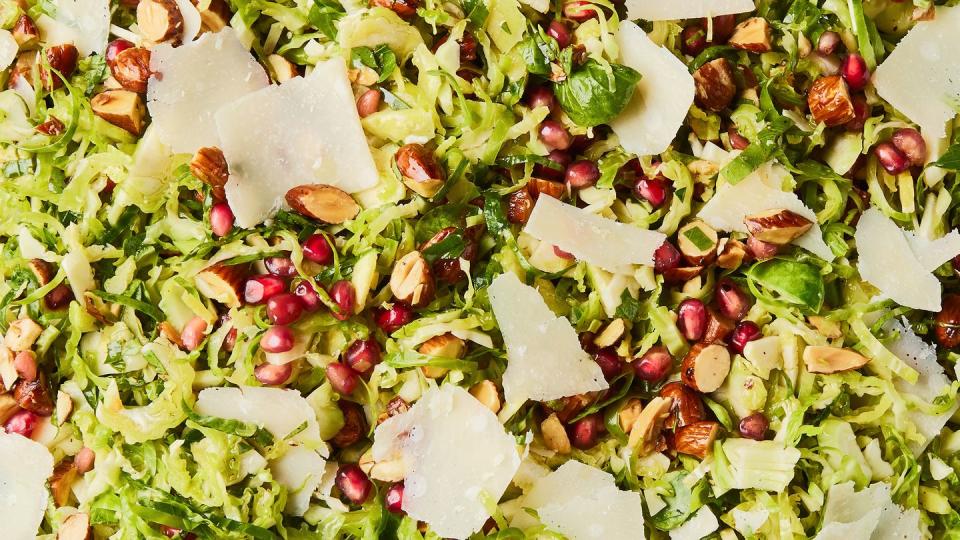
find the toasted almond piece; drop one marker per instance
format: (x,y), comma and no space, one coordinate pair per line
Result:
(538,186)
(829,101)
(826,359)
(214,14)
(64,475)
(732,254)
(554,435)
(420,170)
(34,395)
(947,329)
(696,439)
(209,165)
(777,226)
(281,68)
(705,367)
(64,407)
(687,406)
(22,334)
(25,33)
(519,206)
(387,470)
(325,203)
(75,527)
(8,406)
(222,283)
(99,309)
(611,334)
(486,392)
(681,275)
(646,429)
(62,59)
(698,243)
(714,86)
(826,327)
(629,413)
(168,331)
(121,108)
(42,270)
(751,35)
(131,69)
(412,281)
(718,327)
(444,346)
(160,21)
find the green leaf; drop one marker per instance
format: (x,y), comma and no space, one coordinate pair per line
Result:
(149,310)
(795,282)
(324,15)
(382,60)
(629,307)
(538,51)
(476,12)
(450,247)
(950,160)
(595,94)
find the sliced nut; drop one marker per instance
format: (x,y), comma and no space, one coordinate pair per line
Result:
(34,395)
(63,60)
(369,102)
(555,435)
(64,407)
(75,527)
(778,226)
(121,108)
(751,35)
(714,85)
(420,170)
(731,254)
(328,204)
(646,429)
(51,127)
(442,346)
(519,206)
(222,283)
(572,406)
(214,14)
(718,327)
(282,69)
(683,274)
(687,406)
(611,334)
(829,101)
(25,33)
(64,475)
(387,470)
(947,322)
(22,334)
(354,425)
(160,21)
(698,242)
(412,281)
(23,68)
(209,165)
(696,439)
(100,310)
(8,406)
(403,8)
(826,327)
(168,331)
(629,413)
(826,359)
(705,367)
(131,69)
(486,392)
(537,186)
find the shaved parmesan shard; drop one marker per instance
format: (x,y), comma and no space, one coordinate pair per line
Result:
(931,254)
(545,360)
(84,23)
(277,410)
(883,246)
(309,133)
(191,82)
(25,466)
(663,96)
(300,470)
(658,10)
(8,50)
(759,191)
(869,514)
(609,244)
(455,454)
(921,77)
(583,503)
(191,20)
(700,525)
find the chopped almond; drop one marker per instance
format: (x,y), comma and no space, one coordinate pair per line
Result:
(160,21)
(222,283)
(826,359)
(486,392)
(555,435)
(705,367)
(714,85)
(412,281)
(281,68)
(22,334)
(829,101)
(696,439)
(646,429)
(121,108)
(778,226)
(328,204)
(752,35)
(75,527)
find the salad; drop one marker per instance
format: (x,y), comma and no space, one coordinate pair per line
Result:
(501,269)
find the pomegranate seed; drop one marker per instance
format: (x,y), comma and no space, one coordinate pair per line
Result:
(578,10)
(582,174)
(26,365)
(354,483)
(693,40)
(554,135)
(692,319)
(560,32)
(173,532)
(854,71)
(559,157)
(277,339)
(861,113)
(280,266)
(586,341)
(193,333)
(654,365)
(308,296)
(343,294)
(737,141)
(761,250)
(891,159)
(23,422)
(541,96)
(585,433)
(911,143)
(116,47)
(828,43)
(363,354)
(59,297)
(563,254)
(653,190)
(230,341)
(733,303)
(666,257)
(745,332)
(609,362)
(342,377)
(394,318)
(221,219)
(394,498)
(754,426)
(272,374)
(259,289)
(284,308)
(723,26)
(84,460)
(318,249)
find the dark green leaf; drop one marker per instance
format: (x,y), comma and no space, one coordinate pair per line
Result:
(795,282)
(149,310)
(538,51)
(950,159)
(450,247)
(681,504)
(324,15)
(629,307)
(594,95)
(493,213)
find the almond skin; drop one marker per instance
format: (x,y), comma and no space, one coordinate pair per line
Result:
(826,359)
(42,270)
(34,396)
(751,35)
(718,327)
(222,283)
(62,59)
(686,408)
(714,85)
(160,21)
(64,475)
(829,101)
(538,186)
(696,439)
(121,108)
(328,204)
(778,226)
(52,127)
(131,68)
(519,207)
(25,33)
(731,254)
(210,166)
(412,281)
(420,170)
(683,274)
(947,329)
(692,252)
(75,527)
(705,367)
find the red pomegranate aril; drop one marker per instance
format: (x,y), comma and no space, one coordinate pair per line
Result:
(743,333)
(554,135)
(560,32)
(654,365)
(353,483)
(84,460)
(561,158)
(609,362)
(722,28)
(692,319)
(737,141)
(563,254)
(284,308)
(666,257)
(116,47)
(317,249)
(854,70)
(280,266)
(363,354)
(272,374)
(173,532)
(541,96)
(653,190)
(230,341)
(277,339)
(25,363)
(585,433)
(221,219)
(394,318)
(861,113)
(829,42)
(761,250)
(259,289)
(343,294)
(342,377)
(891,159)
(911,143)
(733,303)
(23,422)
(582,174)
(754,427)
(308,296)
(578,10)
(58,298)
(693,40)
(193,333)
(394,498)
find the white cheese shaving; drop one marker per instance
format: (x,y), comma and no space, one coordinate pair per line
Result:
(658,10)
(191,20)
(650,122)
(700,525)
(749,522)
(869,514)
(8,50)
(609,244)
(545,360)
(25,466)
(191,82)
(309,133)
(301,470)
(455,452)
(84,23)
(277,410)
(921,77)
